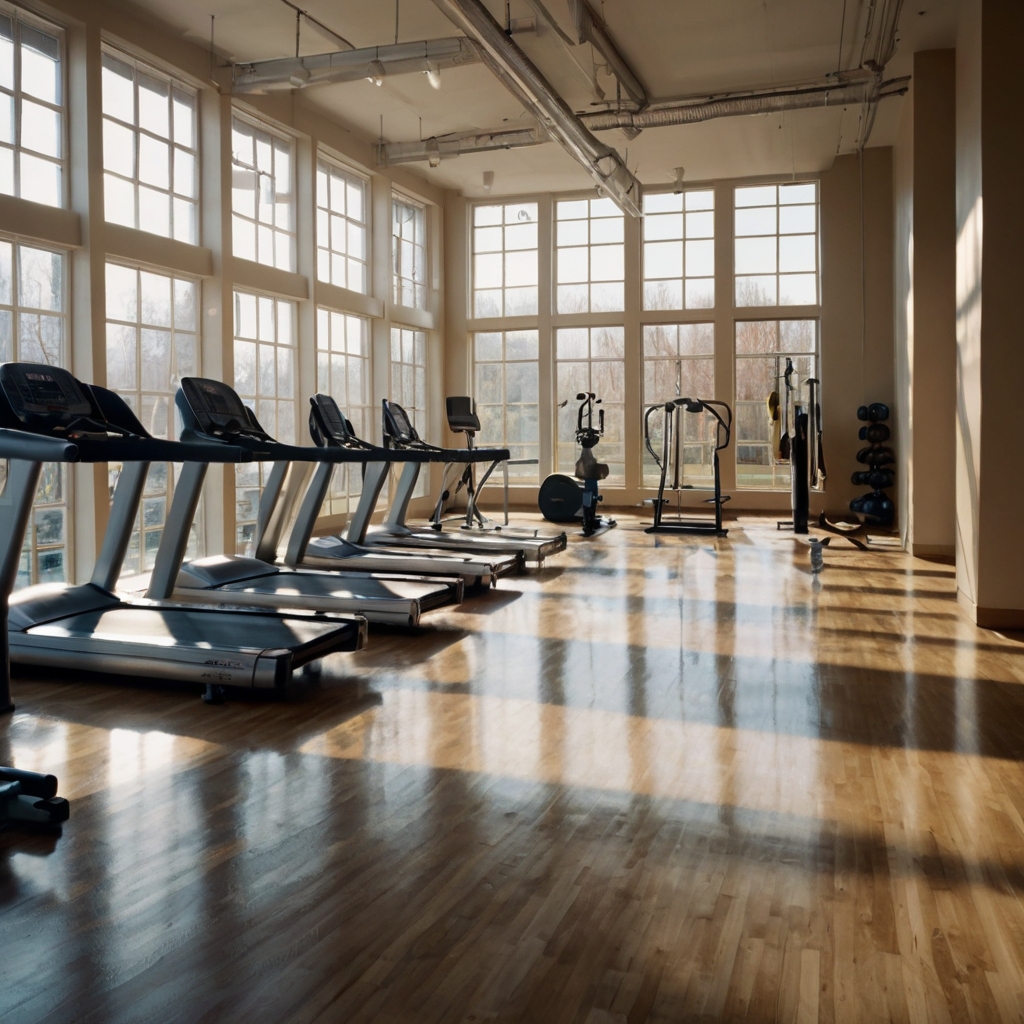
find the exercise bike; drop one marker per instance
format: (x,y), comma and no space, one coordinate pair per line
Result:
(561,498)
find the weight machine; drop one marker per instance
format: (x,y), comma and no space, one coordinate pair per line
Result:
(672,459)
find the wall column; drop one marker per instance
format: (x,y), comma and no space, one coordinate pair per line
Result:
(925,199)
(990,356)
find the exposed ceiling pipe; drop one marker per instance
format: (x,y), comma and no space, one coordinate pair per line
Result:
(590,29)
(519,75)
(427,56)
(658,115)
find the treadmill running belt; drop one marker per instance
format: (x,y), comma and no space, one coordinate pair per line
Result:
(183,627)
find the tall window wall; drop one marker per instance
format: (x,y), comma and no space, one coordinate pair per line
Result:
(32,109)
(592,359)
(151,345)
(154,318)
(505,260)
(342,226)
(679,362)
(409,252)
(507,388)
(409,383)
(150,168)
(33,328)
(589,257)
(764,348)
(343,371)
(645,308)
(265,366)
(262,194)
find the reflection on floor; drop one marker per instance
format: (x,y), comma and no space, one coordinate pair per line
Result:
(663,779)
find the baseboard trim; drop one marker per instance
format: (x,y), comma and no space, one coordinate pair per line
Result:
(933,551)
(991,618)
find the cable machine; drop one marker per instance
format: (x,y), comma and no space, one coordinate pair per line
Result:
(672,459)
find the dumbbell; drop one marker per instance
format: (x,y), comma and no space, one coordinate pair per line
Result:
(875,505)
(876,457)
(879,479)
(876,433)
(875,412)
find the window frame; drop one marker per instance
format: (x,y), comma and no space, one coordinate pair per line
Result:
(138,393)
(21,16)
(397,291)
(346,171)
(140,65)
(257,124)
(16,307)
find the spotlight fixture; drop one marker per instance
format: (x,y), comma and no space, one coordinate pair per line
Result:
(679,172)
(433,74)
(488,180)
(377,73)
(299,76)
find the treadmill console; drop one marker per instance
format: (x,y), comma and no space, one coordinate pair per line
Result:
(49,400)
(327,425)
(218,409)
(397,425)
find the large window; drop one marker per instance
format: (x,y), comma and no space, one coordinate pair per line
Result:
(32,130)
(262,195)
(409,252)
(507,392)
(33,328)
(679,250)
(341,227)
(150,169)
(265,360)
(762,350)
(151,345)
(679,362)
(343,372)
(409,382)
(592,359)
(505,260)
(589,257)
(777,245)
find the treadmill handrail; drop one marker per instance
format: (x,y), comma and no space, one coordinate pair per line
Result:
(20,444)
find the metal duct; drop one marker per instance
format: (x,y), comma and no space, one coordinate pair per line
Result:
(662,115)
(590,29)
(765,103)
(351,65)
(528,85)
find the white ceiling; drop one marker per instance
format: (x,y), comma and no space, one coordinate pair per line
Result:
(676,47)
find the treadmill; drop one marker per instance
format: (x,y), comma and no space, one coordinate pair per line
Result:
(401,434)
(212,413)
(330,429)
(46,415)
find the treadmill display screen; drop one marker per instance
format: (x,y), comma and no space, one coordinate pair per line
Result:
(330,418)
(217,407)
(397,423)
(44,395)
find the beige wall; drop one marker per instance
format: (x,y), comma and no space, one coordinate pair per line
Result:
(857,311)
(925,308)
(990,353)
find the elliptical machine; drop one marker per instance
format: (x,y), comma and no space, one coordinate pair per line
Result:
(561,499)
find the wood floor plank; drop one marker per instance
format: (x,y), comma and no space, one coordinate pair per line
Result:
(659,780)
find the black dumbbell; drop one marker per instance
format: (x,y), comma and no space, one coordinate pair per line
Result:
(876,433)
(876,457)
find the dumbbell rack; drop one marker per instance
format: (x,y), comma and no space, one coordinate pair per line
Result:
(876,507)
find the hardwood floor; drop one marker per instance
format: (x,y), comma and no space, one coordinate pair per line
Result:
(661,780)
